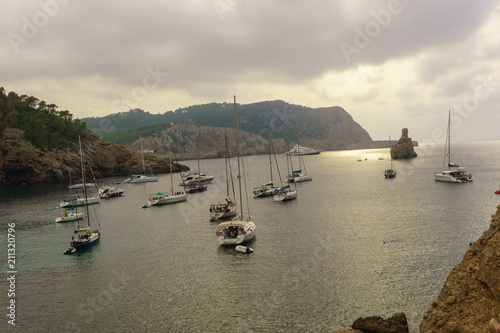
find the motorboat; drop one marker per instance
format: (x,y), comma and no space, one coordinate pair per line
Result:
(69,215)
(390,173)
(221,211)
(298,150)
(195,188)
(196,178)
(110,192)
(235,232)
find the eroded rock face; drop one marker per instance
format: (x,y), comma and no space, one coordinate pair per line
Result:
(21,162)
(470,296)
(404,147)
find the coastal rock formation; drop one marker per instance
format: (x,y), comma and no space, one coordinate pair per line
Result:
(21,162)
(470,296)
(404,147)
(376,324)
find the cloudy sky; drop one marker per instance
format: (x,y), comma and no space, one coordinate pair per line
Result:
(390,64)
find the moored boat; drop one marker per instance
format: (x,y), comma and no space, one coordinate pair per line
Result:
(110,192)
(298,150)
(69,215)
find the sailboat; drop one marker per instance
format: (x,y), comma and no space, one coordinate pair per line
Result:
(237,231)
(165,198)
(455,173)
(69,214)
(84,237)
(285,193)
(390,173)
(196,184)
(141,178)
(298,176)
(268,188)
(219,210)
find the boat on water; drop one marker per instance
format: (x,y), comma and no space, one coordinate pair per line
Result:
(165,198)
(196,178)
(285,193)
(265,190)
(110,192)
(298,150)
(77,200)
(220,211)
(69,215)
(84,237)
(268,188)
(79,186)
(141,177)
(390,173)
(454,173)
(298,176)
(239,231)
(195,188)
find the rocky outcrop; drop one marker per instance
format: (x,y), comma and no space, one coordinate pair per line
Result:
(470,296)
(376,324)
(404,147)
(21,162)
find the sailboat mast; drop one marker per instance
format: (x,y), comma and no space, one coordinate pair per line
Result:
(198,154)
(227,161)
(238,155)
(82,164)
(142,156)
(448,138)
(389,152)
(170,162)
(269,148)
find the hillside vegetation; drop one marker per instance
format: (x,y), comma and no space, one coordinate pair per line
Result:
(43,125)
(293,122)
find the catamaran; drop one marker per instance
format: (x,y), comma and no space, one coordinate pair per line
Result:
(455,173)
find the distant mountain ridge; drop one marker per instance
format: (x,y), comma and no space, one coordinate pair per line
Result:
(322,128)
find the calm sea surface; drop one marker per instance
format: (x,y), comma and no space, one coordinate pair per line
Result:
(353,244)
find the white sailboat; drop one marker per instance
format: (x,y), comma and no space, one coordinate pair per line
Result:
(285,193)
(455,173)
(227,209)
(165,198)
(84,237)
(390,173)
(237,231)
(141,178)
(298,176)
(268,188)
(69,215)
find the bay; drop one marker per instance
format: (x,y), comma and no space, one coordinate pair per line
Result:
(353,244)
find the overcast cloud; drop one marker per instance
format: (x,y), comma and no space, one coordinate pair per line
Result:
(390,64)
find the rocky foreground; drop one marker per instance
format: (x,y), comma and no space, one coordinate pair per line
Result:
(21,162)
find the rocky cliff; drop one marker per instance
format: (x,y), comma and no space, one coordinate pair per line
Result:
(470,296)
(21,162)
(404,147)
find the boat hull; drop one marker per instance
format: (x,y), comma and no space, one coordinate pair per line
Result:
(79,202)
(285,196)
(226,237)
(69,217)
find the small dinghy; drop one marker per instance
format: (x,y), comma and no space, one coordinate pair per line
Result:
(70,250)
(243,249)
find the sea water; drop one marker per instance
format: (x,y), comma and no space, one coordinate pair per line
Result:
(352,244)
